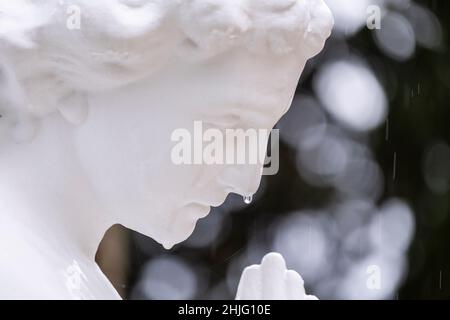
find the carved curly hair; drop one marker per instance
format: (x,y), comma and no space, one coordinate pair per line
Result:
(121,41)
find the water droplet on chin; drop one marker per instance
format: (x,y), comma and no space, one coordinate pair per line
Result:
(248,199)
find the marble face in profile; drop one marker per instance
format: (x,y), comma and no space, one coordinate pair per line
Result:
(87,113)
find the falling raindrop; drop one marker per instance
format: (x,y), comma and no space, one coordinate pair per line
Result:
(248,199)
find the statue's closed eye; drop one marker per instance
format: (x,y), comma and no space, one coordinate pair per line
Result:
(230,121)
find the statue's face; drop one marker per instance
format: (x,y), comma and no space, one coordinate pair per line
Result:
(125,144)
(248,56)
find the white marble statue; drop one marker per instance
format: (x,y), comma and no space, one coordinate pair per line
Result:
(90,92)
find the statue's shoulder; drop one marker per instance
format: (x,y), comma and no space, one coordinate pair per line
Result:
(35,267)
(24,272)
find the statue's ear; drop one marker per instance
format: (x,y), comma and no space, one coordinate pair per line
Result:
(74,108)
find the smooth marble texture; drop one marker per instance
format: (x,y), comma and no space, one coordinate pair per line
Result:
(88,107)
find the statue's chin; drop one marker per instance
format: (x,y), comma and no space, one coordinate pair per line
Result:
(181,226)
(177,235)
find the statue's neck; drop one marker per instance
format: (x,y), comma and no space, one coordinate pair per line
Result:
(43,186)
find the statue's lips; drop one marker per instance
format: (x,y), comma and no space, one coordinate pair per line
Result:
(210,201)
(195,210)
